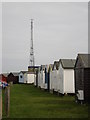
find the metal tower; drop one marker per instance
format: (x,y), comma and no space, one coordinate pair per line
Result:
(31,62)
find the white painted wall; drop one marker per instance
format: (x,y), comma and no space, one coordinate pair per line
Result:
(25,77)
(39,78)
(51,77)
(21,79)
(30,78)
(69,85)
(66,81)
(44,84)
(55,80)
(35,79)
(51,80)
(42,79)
(61,77)
(58,80)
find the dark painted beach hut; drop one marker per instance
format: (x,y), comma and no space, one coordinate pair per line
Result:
(13,77)
(82,78)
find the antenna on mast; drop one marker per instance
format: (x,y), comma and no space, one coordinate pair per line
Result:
(31,62)
(32,67)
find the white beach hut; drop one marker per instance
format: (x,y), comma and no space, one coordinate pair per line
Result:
(55,76)
(42,80)
(29,77)
(21,76)
(39,77)
(66,82)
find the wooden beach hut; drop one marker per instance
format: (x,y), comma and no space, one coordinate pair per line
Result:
(21,76)
(66,79)
(49,77)
(82,78)
(55,76)
(13,78)
(29,77)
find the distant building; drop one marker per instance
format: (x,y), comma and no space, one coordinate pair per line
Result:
(29,77)
(13,77)
(3,78)
(21,76)
(82,77)
(32,69)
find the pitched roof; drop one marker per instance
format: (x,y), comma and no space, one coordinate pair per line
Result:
(23,71)
(15,73)
(5,74)
(33,66)
(85,58)
(50,67)
(42,67)
(56,64)
(68,63)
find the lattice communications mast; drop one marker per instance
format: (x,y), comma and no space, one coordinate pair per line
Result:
(32,62)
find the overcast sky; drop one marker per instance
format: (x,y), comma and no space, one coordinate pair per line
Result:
(60,31)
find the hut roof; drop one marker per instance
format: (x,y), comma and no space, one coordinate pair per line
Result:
(56,63)
(5,74)
(23,72)
(85,58)
(42,67)
(68,63)
(15,73)
(50,67)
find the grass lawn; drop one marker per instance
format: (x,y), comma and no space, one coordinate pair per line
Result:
(28,101)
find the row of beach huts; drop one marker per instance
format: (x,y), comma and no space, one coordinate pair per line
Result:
(65,76)
(18,77)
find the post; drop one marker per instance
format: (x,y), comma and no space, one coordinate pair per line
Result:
(7,100)
(0,102)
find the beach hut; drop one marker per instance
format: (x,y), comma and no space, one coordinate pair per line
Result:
(46,81)
(12,77)
(39,77)
(42,77)
(49,77)
(16,75)
(66,82)
(21,76)
(36,78)
(3,78)
(55,76)
(82,78)
(29,77)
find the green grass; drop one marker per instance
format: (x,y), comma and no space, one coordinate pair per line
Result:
(28,101)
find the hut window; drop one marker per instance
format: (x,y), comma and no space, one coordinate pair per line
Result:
(20,76)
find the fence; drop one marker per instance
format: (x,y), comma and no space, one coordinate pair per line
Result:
(6,102)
